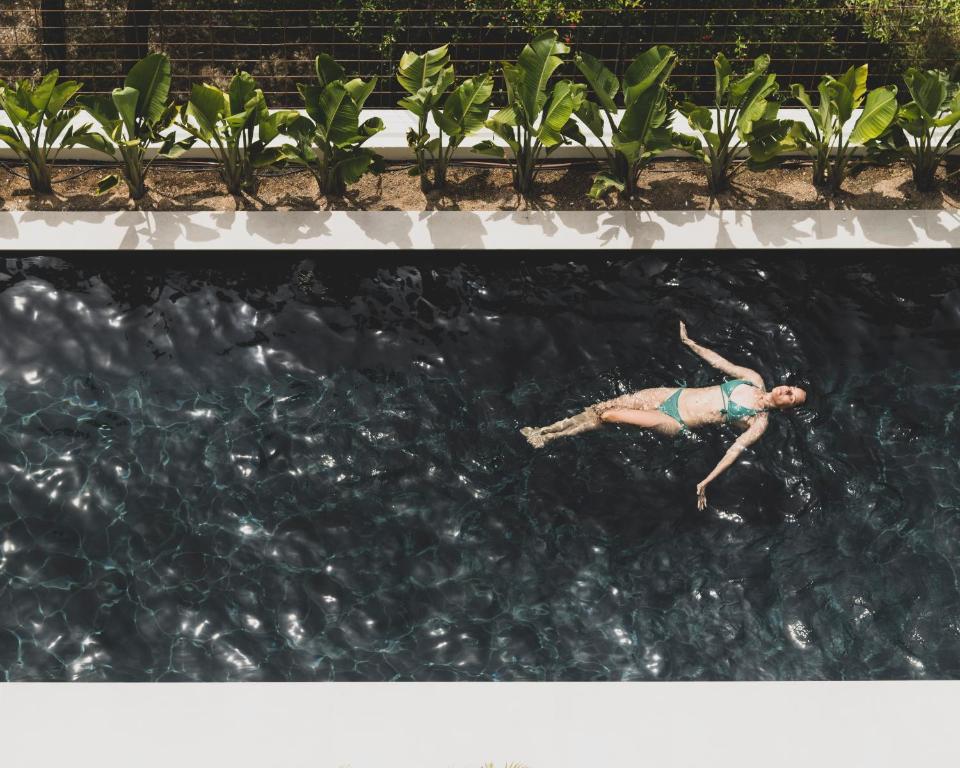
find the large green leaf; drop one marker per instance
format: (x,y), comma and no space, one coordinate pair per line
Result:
(416,71)
(338,114)
(272,124)
(19,108)
(687,143)
(536,64)
(879,110)
(466,107)
(125,100)
(571,130)
(589,114)
(928,89)
(855,81)
(836,98)
(206,106)
(352,167)
(9,137)
(40,96)
(97,142)
(59,131)
(487,147)
(101,108)
(722,74)
(745,87)
(603,183)
(754,105)
(360,91)
(415,104)
(242,89)
(327,69)
(151,78)
(641,115)
(604,83)
(504,131)
(107,183)
(371,127)
(650,68)
(311,101)
(699,118)
(563,102)
(801,95)
(770,138)
(61,95)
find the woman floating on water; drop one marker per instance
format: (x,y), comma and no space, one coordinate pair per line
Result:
(742,402)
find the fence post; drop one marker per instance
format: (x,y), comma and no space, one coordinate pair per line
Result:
(54,33)
(137,29)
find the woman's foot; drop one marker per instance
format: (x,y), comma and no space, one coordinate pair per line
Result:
(533,436)
(582,422)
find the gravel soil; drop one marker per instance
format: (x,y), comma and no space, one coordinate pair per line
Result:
(666,185)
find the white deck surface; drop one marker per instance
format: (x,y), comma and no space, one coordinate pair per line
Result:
(397,230)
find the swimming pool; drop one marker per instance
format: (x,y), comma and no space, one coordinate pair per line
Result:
(278,467)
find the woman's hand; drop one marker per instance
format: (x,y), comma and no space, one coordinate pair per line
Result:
(683,333)
(702,495)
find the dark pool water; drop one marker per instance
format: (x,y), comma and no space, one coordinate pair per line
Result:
(283,468)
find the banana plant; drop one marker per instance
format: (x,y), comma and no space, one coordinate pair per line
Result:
(746,124)
(927,129)
(132,118)
(40,119)
(825,142)
(644,130)
(427,79)
(537,119)
(328,140)
(237,126)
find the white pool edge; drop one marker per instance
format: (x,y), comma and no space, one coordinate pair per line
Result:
(47,231)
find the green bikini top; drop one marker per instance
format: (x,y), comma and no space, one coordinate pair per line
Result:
(733,411)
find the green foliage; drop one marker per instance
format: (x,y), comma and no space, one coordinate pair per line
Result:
(927,129)
(825,142)
(746,123)
(132,118)
(644,130)
(427,79)
(237,126)
(40,116)
(537,119)
(329,140)
(925,32)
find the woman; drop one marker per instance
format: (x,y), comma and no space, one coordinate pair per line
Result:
(742,402)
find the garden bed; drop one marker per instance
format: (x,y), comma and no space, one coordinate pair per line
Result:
(667,185)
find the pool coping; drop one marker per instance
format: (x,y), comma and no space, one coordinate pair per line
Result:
(482,230)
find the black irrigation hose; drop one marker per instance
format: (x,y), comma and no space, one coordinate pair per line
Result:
(12,172)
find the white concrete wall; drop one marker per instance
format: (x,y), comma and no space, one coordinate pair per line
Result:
(392,142)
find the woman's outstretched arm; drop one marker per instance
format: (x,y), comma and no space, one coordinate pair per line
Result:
(748,438)
(721,363)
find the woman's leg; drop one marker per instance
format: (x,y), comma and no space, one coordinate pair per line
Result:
(642,401)
(658,421)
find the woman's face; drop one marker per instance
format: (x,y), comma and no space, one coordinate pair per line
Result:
(787,397)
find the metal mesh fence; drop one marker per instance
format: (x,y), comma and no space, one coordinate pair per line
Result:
(95,41)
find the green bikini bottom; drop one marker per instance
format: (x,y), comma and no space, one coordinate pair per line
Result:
(671,407)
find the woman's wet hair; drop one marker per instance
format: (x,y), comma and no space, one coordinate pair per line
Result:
(810,403)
